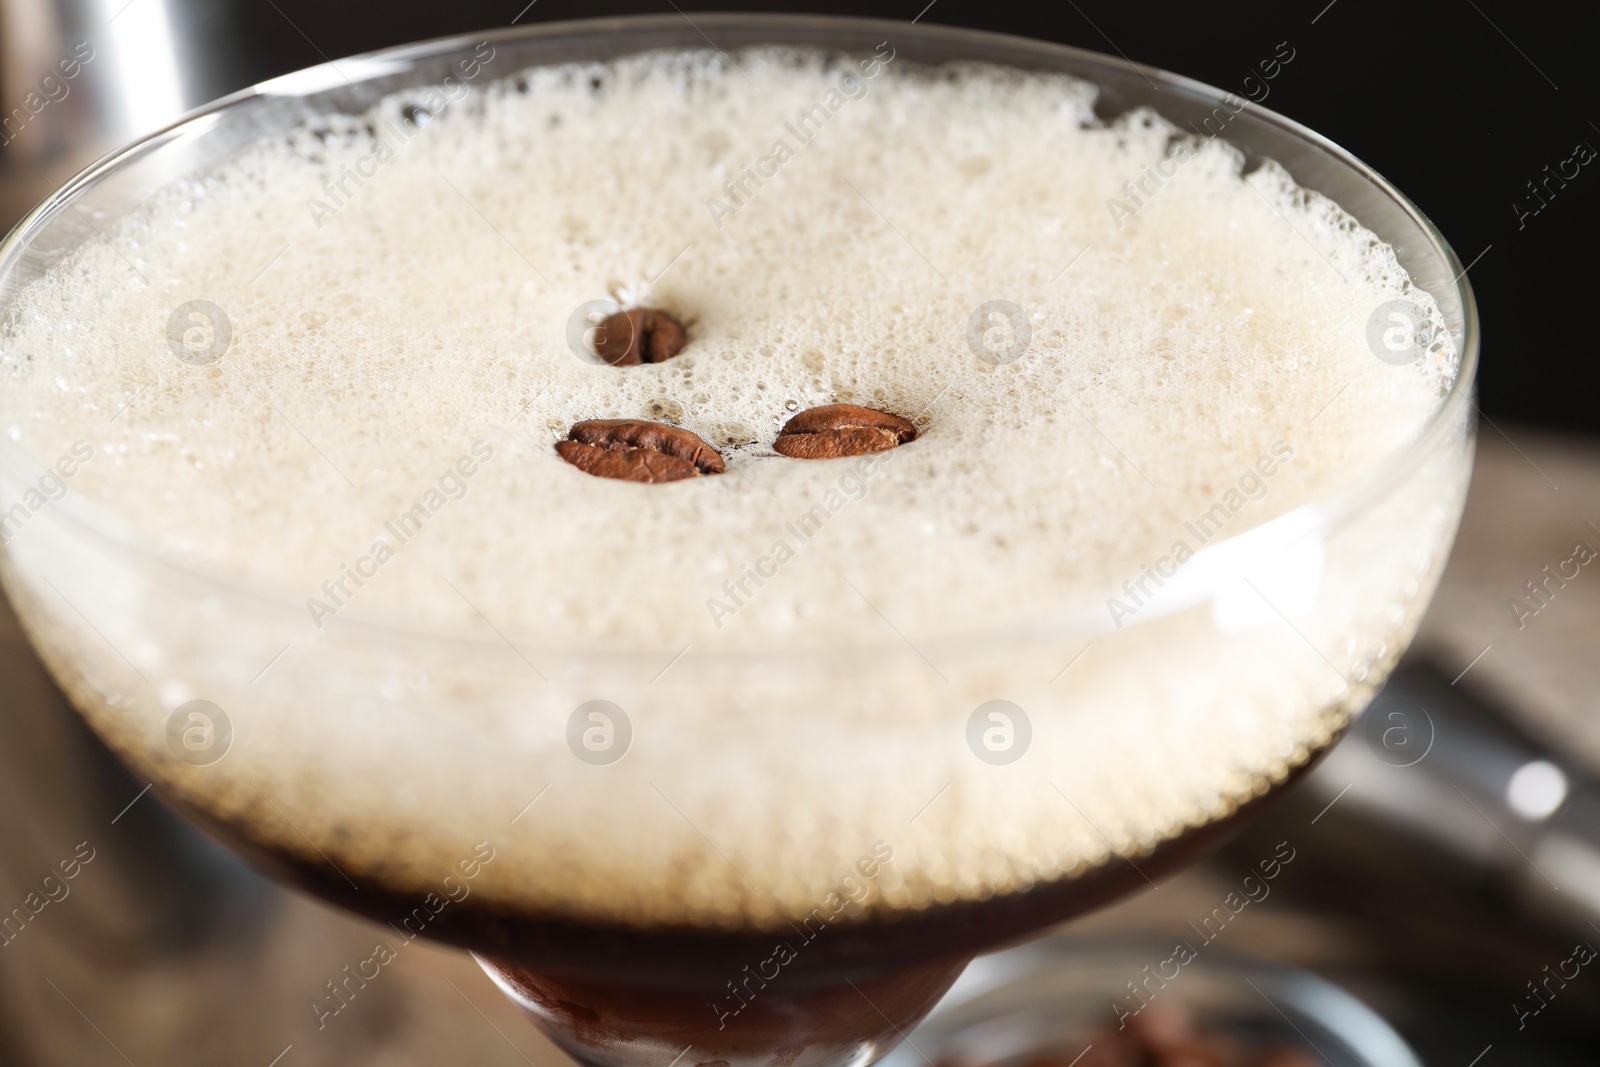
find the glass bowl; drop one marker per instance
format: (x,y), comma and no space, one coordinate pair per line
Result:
(183,672)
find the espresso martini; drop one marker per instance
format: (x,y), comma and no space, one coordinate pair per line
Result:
(805,710)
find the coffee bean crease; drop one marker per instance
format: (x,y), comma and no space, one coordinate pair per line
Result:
(835,430)
(636,450)
(639,335)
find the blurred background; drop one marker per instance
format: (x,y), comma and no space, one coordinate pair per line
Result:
(1448,853)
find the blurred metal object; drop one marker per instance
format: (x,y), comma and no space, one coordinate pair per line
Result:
(79,77)
(1454,772)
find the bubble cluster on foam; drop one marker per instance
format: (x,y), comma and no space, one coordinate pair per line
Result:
(381,327)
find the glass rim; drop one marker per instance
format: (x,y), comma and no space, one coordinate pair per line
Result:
(1319,516)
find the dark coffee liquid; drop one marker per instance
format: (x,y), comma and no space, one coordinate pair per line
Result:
(707,959)
(615,996)
(756,1022)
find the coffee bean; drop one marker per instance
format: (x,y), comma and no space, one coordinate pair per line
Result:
(634,450)
(639,335)
(842,430)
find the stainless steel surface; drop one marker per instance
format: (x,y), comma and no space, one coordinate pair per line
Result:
(1450,769)
(80,77)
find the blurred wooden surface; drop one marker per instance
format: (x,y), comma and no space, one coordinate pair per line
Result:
(1534,497)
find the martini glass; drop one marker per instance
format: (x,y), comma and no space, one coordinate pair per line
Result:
(183,673)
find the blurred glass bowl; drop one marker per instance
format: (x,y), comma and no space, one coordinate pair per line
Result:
(1056,996)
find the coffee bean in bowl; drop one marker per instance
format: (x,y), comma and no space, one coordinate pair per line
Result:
(636,450)
(835,430)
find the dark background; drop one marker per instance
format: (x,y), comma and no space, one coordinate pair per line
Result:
(1460,103)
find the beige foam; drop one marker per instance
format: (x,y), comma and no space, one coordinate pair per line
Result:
(373,345)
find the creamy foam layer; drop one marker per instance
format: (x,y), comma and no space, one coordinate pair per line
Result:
(399,298)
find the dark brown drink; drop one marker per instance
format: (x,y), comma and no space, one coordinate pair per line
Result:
(847,993)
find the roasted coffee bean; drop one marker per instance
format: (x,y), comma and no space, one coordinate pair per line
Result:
(842,430)
(639,335)
(634,450)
